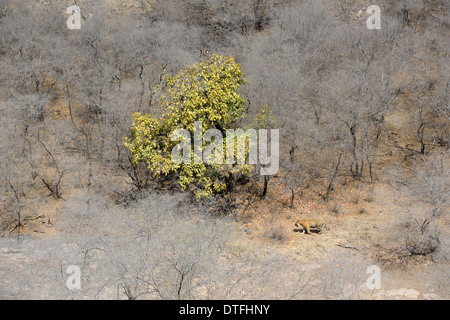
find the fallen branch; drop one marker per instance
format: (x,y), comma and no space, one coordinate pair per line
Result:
(347,246)
(34,218)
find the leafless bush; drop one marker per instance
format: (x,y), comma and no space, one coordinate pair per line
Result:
(277,233)
(429,189)
(355,197)
(220,205)
(362,211)
(418,242)
(335,207)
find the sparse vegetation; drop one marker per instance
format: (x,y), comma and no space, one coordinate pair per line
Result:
(87,176)
(278,233)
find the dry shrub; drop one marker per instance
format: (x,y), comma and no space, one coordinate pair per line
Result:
(419,242)
(277,232)
(335,208)
(413,244)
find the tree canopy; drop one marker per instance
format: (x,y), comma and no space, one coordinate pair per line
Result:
(206,92)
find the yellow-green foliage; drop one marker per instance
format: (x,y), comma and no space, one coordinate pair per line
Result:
(205,92)
(264,119)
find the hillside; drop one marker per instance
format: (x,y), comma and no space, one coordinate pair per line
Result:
(363,122)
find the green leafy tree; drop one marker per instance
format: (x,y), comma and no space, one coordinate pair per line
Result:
(205,92)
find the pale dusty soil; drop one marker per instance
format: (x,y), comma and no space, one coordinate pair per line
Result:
(355,241)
